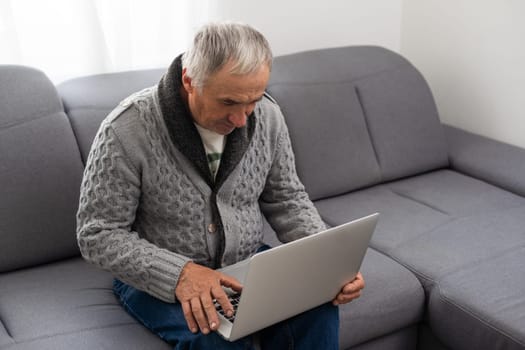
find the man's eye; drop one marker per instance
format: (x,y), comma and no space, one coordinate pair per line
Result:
(228,102)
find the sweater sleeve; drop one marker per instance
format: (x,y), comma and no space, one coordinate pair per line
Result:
(284,200)
(109,198)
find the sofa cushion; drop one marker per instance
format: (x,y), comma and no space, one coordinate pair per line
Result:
(127,336)
(435,222)
(40,171)
(64,302)
(393,299)
(455,194)
(371,89)
(463,242)
(88,100)
(400,220)
(403,121)
(329,136)
(482,305)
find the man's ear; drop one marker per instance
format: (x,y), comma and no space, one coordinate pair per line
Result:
(186,81)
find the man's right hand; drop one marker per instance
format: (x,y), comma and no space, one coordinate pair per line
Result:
(198,286)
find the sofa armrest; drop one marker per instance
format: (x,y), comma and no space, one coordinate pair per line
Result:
(489,160)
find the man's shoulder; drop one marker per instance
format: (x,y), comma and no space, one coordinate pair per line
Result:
(133,119)
(271,121)
(269,109)
(130,110)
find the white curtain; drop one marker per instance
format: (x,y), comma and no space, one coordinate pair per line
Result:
(70,38)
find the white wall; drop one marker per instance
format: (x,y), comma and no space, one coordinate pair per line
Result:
(297,25)
(473,55)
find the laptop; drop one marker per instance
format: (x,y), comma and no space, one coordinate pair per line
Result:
(295,277)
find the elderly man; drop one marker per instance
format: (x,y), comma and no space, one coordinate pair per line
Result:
(176,185)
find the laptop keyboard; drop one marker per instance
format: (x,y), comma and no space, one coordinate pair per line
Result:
(234,300)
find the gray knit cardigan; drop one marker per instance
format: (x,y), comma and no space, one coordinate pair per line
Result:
(145,210)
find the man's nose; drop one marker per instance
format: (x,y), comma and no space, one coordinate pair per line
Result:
(238,119)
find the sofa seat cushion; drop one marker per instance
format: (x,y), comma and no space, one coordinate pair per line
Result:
(436,223)
(400,218)
(126,336)
(68,302)
(393,299)
(454,194)
(463,242)
(482,306)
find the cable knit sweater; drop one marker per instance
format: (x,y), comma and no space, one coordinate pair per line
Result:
(146,209)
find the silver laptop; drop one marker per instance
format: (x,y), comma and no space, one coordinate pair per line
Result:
(292,278)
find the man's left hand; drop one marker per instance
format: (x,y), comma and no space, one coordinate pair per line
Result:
(350,291)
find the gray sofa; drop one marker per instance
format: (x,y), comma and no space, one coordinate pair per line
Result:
(445,266)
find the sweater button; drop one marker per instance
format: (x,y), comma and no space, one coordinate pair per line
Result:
(212,228)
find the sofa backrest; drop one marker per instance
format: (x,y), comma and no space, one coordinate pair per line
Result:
(40,171)
(88,100)
(357,116)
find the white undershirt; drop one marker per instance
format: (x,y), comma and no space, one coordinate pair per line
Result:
(213,145)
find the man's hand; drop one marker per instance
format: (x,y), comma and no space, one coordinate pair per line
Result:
(196,289)
(350,291)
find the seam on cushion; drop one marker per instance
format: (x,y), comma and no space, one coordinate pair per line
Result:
(409,267)
(456,269)
(12,125)
(365,117)
(419,275)
(77,142)
(366,76)
(418,201)
(519,205)
(415,274)
(28,340)
(4,326)
(427,232)
(472,314)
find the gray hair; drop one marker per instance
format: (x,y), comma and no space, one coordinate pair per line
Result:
(219,43)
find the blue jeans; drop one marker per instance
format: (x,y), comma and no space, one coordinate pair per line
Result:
(314,329)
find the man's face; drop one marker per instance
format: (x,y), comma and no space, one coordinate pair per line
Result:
(226,100)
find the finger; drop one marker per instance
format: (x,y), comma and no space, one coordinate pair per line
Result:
(188,315)
(346,298)
(198,314)
(354,286)
(223,300)
(231,282)
(360,279)
(209,309)
(351,288)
